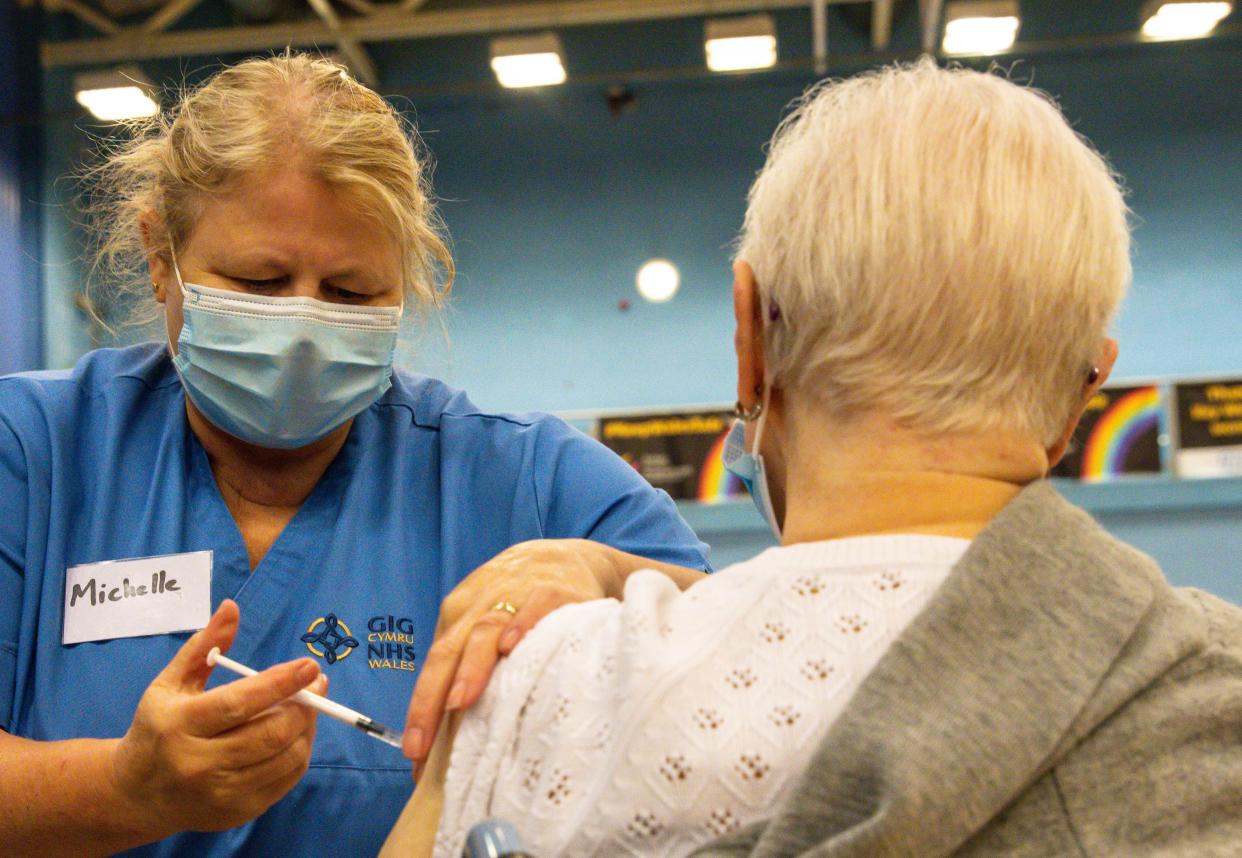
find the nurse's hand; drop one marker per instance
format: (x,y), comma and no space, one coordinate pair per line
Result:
(209,760)
(535,578)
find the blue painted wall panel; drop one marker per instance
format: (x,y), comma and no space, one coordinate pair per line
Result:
(21,327)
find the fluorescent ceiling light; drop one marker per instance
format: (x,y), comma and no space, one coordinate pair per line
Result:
(117,95)
(1173,19)
(523,61)
(734,44)
(980,26)
(658,280)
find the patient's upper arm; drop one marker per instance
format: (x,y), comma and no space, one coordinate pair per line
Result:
(414,835)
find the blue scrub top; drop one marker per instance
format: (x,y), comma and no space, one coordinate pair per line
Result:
(100,464)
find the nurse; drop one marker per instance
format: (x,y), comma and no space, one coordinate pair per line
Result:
(267,473)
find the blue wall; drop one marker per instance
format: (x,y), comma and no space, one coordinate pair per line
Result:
(21,327)
(553,204)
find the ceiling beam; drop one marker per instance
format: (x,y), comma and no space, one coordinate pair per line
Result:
(359,62)
(929,16)
(819,35)
(388,25)
(352,51)
(83,12)
(881,24)
(168,15)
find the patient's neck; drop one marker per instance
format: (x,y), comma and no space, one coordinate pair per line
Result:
(874,477)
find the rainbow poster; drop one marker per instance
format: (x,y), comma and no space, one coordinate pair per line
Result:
(715,483)
(1119,436)
(678,452)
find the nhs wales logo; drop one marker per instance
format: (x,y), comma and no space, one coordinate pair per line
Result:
(390,643)
(330,639)
(389,639)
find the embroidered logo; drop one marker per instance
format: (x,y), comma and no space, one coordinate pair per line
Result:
(332,636)
(390,643)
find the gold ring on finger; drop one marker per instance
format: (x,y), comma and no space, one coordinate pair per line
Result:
(505,606)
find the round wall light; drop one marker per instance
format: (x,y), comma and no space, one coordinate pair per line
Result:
(658,280)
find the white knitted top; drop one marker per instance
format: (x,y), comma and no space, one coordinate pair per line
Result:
(651,726)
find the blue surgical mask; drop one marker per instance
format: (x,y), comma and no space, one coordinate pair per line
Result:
(748,467)
(282,372)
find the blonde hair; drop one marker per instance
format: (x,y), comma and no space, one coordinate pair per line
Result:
(247,118)
(942,248)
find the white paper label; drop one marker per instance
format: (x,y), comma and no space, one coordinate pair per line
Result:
(131,598)
(1203,462)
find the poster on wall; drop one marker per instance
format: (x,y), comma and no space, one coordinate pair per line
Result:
(1118,436)
(679,453)
(1209,429)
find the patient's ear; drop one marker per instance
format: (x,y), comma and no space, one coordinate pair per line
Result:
(748,335)
(1091,386)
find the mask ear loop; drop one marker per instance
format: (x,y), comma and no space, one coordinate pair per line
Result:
(774,317)
(172,252)
(763,415)
(761,471)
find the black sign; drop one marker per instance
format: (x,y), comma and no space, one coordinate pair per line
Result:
(1209,428)
(679,453)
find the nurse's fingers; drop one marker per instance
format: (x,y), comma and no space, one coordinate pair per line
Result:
(478,659)
(269,734)
(188,670)
(461,661)
(538,605)
(255,788)
(494,635)
(432,689)
(229,706)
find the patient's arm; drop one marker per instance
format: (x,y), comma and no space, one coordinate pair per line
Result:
(414,835)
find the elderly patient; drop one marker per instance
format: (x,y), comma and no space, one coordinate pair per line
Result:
(943,657)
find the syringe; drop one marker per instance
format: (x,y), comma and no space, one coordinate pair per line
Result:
(328,707)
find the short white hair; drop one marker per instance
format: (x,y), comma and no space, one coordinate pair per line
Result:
(938,246)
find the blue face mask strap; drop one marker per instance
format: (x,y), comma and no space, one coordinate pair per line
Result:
(749,466)
(762,417)
(769,514)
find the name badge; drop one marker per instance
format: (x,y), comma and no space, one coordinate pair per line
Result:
(131,598)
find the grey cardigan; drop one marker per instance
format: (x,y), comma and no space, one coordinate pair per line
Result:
(1056,697)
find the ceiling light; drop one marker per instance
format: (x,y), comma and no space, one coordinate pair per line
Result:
(116,95)
(522,61)
(1178,19)
(980,26)
(658,280)
(734,44)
